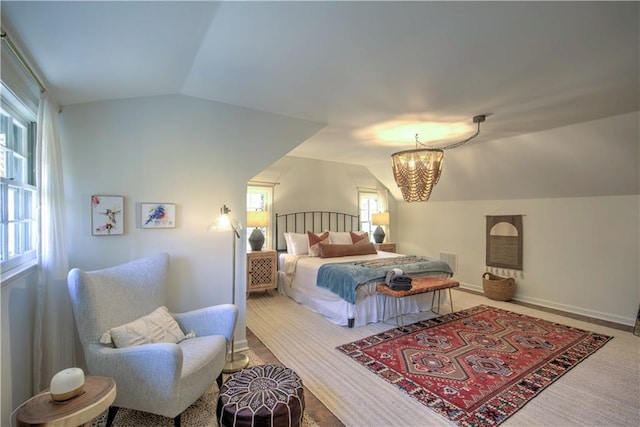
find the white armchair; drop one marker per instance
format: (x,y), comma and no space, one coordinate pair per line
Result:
(160,378)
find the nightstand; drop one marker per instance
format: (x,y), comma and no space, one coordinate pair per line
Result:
(262,267)
(386,247)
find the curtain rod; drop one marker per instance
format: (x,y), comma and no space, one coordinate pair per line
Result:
(22,61)
(263,183)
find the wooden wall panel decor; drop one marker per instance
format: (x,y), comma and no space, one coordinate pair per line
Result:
(504,241)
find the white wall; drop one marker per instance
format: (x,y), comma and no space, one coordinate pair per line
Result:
(580,254)
(18,302)
(312,185)
(307,185)
(173,149)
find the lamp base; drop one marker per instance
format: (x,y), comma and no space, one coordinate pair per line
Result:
(237,363)
(256,240)
(378,235)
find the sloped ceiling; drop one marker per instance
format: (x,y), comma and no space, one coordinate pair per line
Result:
(355,67)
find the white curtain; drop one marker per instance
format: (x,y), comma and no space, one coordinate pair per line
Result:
(54,327)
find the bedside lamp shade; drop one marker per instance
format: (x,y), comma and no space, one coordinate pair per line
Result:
(379,219)
(257,219)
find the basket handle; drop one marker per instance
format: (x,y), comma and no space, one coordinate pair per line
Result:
(486,273)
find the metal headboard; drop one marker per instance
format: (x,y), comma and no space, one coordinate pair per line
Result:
(314,221)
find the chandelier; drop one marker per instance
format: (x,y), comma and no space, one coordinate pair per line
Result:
(417,171)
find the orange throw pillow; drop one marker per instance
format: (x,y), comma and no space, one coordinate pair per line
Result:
(359,239)
(314,242)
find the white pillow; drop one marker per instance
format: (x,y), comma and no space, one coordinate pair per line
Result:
(340,237)
(297,243)
(158,326)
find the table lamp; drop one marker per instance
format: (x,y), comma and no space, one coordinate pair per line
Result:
(257,219)
(379,219)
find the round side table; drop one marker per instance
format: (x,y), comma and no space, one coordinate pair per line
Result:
(98,394)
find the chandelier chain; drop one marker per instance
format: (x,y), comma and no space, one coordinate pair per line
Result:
(476,119)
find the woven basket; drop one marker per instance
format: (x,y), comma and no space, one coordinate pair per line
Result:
(498,288)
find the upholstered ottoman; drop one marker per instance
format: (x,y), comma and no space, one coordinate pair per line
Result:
(263,395)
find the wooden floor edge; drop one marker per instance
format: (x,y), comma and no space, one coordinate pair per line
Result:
(575,316)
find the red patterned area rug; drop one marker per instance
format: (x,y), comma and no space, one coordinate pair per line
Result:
(475,367)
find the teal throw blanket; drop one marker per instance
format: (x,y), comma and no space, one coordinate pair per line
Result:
(343,278)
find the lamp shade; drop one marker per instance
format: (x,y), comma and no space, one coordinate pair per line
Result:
(224,222)
(257,218)
(416,172)
(380,218)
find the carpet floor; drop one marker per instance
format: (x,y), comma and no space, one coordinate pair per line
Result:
(475,367)
(603,390)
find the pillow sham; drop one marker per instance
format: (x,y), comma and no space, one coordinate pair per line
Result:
(339,237)
(158,326)
(328,250)
(297,243)
(359,238)
(315,240)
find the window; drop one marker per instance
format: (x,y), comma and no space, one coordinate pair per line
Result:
(18,191)
(259,199)
(368,202)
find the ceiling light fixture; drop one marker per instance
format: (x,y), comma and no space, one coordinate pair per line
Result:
(417,171)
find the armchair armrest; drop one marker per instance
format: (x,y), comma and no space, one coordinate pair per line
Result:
(147,369)
(215,320)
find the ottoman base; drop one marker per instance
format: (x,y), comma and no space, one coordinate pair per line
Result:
(263,395)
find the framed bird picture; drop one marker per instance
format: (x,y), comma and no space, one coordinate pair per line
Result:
(157,215)
(107,215)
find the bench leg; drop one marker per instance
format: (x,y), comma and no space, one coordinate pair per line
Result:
(435,308)
(433,298)
(450,300)
(399,313)
(384,307)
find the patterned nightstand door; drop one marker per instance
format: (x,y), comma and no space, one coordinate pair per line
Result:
(262,267)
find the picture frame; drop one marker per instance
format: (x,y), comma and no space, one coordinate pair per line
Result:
(157,215)
(107,215)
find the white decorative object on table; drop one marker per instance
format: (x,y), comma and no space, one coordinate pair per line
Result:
(67,384)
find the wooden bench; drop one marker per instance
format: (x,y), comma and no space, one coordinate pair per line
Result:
(418,286)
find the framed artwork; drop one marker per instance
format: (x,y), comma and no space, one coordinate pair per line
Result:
(107,215)
(157,215)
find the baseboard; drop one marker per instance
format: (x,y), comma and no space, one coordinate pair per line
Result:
(240,345)
(624,322)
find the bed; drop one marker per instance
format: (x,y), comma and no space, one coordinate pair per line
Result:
(312,279)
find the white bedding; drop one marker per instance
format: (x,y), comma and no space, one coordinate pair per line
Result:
(297,279)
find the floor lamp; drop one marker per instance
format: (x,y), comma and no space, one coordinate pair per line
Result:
(235,362)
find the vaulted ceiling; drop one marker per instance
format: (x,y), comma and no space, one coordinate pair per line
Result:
(371,72)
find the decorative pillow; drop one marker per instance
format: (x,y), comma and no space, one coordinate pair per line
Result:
(158,326)
(339,237)
(297,243)
(314,242)
(359,238)
(327,250)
